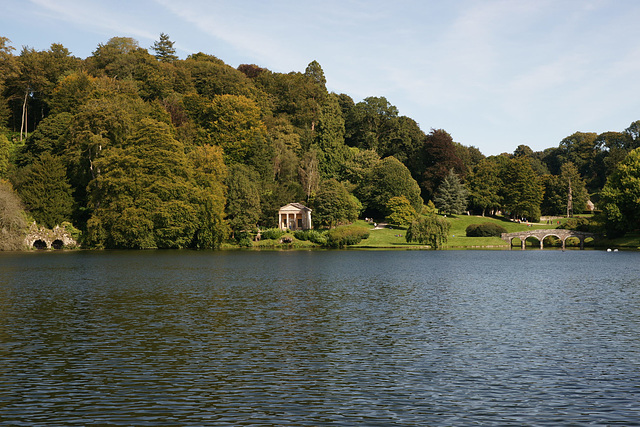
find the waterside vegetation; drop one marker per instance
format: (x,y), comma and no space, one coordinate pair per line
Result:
(135,149)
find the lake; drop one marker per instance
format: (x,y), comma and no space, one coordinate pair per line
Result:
(311,338)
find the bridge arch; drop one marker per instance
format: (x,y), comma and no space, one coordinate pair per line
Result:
(561,234)
(57,244)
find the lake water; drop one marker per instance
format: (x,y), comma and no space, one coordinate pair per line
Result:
(311,338)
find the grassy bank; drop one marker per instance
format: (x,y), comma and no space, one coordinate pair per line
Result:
(394,237)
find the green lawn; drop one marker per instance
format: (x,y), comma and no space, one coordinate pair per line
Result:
(385,237)
(395,237)
(459,224)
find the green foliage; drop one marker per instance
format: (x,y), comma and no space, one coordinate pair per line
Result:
(486,229)
(440,156)
(210,77)
(47,138)
(580,149)
(388,178)
(272,233)
(149,194)
(5,153)
(400,211)
(147,139)
(580,224)
(12,219)
(371,124)
(484,185)
(71,92)
(346,235)
(430,230)
(313,236)
(330,138)
(620,197)
(451,197)
(73,231)
(46,192)
(245,242)
(522,191)
(558,189)
(232,122)
(334,205)
(243,198)
(164,50)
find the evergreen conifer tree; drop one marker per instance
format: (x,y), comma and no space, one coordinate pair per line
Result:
(451,197)
(164,49)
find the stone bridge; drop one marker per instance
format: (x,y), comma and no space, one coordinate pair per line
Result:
(43,238)
(561,234)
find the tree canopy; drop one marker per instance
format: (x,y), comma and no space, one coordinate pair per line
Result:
(139,148)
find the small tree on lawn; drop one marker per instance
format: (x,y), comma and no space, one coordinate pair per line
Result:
(451,197)
(401,211)
(429,230)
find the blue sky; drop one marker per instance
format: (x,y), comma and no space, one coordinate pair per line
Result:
(494,74)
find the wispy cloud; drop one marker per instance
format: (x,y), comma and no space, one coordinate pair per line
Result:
(96,17)
(485,71)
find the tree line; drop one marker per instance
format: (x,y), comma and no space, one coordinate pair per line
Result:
(140,149)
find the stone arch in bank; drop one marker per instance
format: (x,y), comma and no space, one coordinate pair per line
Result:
(40,244)
(39,237)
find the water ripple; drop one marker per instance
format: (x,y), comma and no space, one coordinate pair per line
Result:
(320,338)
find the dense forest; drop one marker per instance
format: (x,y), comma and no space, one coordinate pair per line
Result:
(140,149)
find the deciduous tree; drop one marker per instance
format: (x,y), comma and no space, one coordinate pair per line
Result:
(522,190)
(401,212)
(243,198)
(388,178)
(439,157)
(429,230)
(485,185)
(620,197)
(334,205)
(146,193)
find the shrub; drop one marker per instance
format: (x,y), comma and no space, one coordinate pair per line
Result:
(245,242)
(486,229)
(272,233)
(74,232)
(313,236)
(346,235)
(578,224)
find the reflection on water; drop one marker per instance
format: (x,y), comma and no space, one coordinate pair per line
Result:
(318,338)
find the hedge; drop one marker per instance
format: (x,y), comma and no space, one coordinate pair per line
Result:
(486,229)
